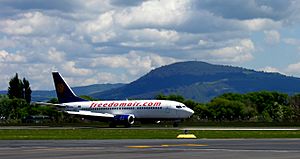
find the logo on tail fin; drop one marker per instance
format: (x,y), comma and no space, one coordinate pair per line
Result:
(60,88)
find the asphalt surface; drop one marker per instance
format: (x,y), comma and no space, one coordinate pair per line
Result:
(159,128)
(128,149)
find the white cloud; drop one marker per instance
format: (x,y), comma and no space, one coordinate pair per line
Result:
(269,69)
(70,67)
(151,38)
(260,24)
(6,57)
(55,56)
(29,23)
(7,43)
(237,53)
(96,5)
(154,35)
(155,13)
(292,41)
(293,68)
(136,63)
(272,36)
(101,29)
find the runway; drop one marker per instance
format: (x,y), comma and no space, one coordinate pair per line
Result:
(162,128)
(128,149)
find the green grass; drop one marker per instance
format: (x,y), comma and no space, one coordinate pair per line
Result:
(77,134)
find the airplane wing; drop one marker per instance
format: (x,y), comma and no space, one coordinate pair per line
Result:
(49,104)
(84,113)
(88,113)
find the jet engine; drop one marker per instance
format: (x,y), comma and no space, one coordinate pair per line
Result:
(126,120)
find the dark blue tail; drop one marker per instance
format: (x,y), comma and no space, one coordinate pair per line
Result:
(63,91)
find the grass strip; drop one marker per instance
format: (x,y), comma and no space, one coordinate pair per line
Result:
(78,134)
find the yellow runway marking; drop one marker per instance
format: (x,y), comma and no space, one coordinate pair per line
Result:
(140,147)
(170,145)
(188,145)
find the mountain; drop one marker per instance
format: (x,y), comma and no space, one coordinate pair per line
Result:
(44,95)
(201,81)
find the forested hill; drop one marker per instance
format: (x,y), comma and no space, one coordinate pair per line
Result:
(45,95)
(202,81)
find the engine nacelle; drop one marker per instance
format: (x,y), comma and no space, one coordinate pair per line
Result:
(127,120)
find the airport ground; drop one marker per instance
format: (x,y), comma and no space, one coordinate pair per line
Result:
(167,148)
(89,142)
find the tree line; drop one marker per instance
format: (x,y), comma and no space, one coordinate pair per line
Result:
(263,106)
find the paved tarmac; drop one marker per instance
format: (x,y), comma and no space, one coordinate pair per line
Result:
(128,149)
(159,128)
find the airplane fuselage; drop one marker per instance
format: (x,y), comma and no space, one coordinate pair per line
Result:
(141,109)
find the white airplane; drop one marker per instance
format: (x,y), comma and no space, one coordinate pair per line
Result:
(119,112)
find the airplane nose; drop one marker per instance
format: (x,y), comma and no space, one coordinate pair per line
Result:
(190,112)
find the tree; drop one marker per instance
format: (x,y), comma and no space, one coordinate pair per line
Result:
(86,97)
(27,90)
(161,97)
(295,105)
(190,103)
(224,109)
(5,108)
(53,100)
(201,110)
(19,89)
(15,89)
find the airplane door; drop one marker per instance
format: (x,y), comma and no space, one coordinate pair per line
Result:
(176,112)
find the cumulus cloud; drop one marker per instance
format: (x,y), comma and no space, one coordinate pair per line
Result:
(260,24)
(6,42)
(99,30)
(293,42)
(6,57)
(239,52)
(293,68)
(118,41)
(272,36)
(31,23)
(270,69)
(136,63)
(55,56)
(250,9)
(154,13)
(70,67)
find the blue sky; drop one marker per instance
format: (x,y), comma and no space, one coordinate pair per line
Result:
(116,41)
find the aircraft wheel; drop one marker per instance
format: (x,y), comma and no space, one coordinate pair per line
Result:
(127,125)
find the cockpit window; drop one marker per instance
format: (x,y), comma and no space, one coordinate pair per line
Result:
(178,107)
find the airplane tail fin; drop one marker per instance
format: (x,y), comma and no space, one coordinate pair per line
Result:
(63,91)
